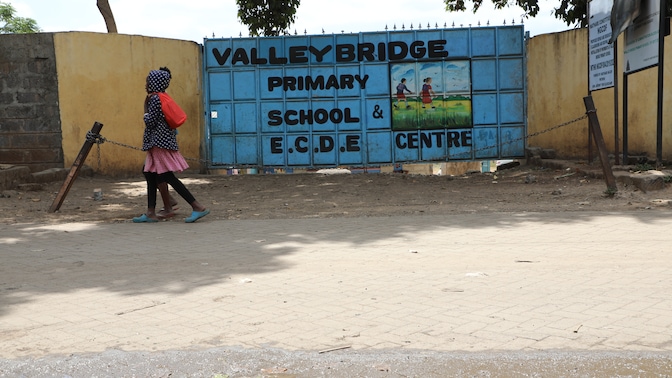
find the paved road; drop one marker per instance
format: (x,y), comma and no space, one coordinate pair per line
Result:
(480,284)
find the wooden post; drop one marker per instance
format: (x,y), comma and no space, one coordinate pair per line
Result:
(596,131)
(74,170)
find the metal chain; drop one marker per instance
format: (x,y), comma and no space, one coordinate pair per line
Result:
(99,139)
(559,126)
(577,119)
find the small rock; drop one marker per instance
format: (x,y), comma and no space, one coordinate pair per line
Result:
(532,151)
(30,187)
(9,194)
(661,202)
(547,153)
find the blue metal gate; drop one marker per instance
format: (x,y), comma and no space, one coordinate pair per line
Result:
(366,99)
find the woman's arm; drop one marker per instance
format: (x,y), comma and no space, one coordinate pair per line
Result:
(153,113)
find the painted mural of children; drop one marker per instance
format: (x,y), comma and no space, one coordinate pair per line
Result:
(427,92)
(401,95)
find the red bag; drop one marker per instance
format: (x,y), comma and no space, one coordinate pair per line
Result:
(174,115)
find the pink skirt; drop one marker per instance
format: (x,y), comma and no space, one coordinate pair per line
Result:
(160,160)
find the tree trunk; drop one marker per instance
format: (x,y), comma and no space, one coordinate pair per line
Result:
(106,11)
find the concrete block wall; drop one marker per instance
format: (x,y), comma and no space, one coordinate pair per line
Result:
(30,125)
(11,176)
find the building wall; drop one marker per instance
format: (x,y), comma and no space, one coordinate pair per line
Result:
(54,86)
(30,128)
(101,78)
(557,69)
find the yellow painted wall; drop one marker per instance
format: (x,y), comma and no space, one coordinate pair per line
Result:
(101,77)
(557,69)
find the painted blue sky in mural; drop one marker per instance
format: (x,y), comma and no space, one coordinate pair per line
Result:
(196,19)
(454,77)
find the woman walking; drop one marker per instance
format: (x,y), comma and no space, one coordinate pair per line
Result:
(163,156)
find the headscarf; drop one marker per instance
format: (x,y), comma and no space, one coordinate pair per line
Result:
(158,81)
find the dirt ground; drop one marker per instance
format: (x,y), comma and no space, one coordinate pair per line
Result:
(524,188)
(520,189)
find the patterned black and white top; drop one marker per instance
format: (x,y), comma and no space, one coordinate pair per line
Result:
(157,131)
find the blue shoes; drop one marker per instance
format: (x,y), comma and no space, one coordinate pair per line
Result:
(144,219)
(196,215)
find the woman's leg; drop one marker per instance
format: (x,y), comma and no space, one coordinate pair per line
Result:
(172,180)
(150,215)
(168,200)
(151,191)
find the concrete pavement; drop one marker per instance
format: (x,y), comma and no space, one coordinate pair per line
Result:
(477,282)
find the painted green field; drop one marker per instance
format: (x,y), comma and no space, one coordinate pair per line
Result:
(453,112)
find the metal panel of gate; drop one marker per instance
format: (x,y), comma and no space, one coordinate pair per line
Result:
(366,99)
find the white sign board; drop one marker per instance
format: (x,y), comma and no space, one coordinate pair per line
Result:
(600,52)
(641,38)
